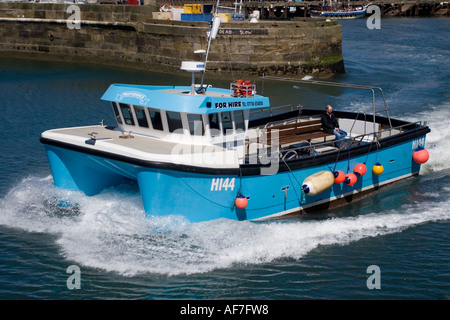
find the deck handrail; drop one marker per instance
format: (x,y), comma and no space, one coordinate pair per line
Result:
(272,108)
(356,119)
(358,139)
(343,85)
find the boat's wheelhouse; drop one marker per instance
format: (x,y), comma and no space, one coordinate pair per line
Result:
(173,125)
(181,114)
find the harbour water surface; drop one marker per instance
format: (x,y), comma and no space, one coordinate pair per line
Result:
(403,229)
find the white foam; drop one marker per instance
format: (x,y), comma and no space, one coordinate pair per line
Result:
(438,140)
(111,232)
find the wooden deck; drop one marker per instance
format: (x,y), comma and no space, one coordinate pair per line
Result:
(302,131)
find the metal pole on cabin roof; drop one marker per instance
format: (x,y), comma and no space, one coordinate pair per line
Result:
(209,42)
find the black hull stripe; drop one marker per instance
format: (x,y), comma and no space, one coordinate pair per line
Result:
(246,169)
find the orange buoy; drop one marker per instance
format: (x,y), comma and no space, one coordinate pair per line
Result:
(421,155)
(377,169)
(241,202)
(339,176)
(360,169)
(350,179)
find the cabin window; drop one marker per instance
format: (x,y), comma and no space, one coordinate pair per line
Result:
(239,120)
(116,113)
(155,117)
(126,112)
(174,121)
(227,124)
(140,116)
(196,124)
(214,126)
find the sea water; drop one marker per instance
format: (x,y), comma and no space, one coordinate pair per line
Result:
(402,229)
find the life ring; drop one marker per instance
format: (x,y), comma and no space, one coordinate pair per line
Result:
(247,89)
(238,88)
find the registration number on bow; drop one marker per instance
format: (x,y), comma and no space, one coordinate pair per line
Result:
(420,142)
(219,184)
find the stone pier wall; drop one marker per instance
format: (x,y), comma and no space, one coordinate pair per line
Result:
(129,36)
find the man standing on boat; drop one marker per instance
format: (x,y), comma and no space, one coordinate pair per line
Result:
(331,125)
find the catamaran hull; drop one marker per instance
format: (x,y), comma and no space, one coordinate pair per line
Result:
(202,194)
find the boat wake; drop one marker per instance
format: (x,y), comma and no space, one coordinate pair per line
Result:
(438,140)
(110,231)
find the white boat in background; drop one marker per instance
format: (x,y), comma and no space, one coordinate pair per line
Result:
(331,12)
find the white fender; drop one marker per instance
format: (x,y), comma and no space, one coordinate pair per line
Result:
(215,27)
(318,182)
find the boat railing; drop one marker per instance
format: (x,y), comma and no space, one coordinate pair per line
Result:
(391,131)
(281,122)
(308,149)
(356,119)
(346,85)
(271,110)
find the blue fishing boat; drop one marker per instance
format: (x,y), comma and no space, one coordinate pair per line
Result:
(208,153)
(332,13)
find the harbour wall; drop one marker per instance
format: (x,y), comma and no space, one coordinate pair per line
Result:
(122,35)
(280,10)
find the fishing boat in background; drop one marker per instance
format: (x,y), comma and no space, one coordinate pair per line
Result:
(208,153)
(333,13)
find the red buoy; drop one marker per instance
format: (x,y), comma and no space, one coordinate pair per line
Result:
(421,155)
(360,169)
(339,176)
(350,179)
(241,202)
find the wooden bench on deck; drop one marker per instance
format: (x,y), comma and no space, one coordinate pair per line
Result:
(296,132)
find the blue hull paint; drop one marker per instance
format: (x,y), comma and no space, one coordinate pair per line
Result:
(201,197)
(79,171)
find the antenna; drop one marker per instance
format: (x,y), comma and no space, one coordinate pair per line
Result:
(212,33)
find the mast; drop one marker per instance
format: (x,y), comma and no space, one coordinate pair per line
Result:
(212,33)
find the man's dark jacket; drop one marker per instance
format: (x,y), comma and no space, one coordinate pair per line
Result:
(329,123)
